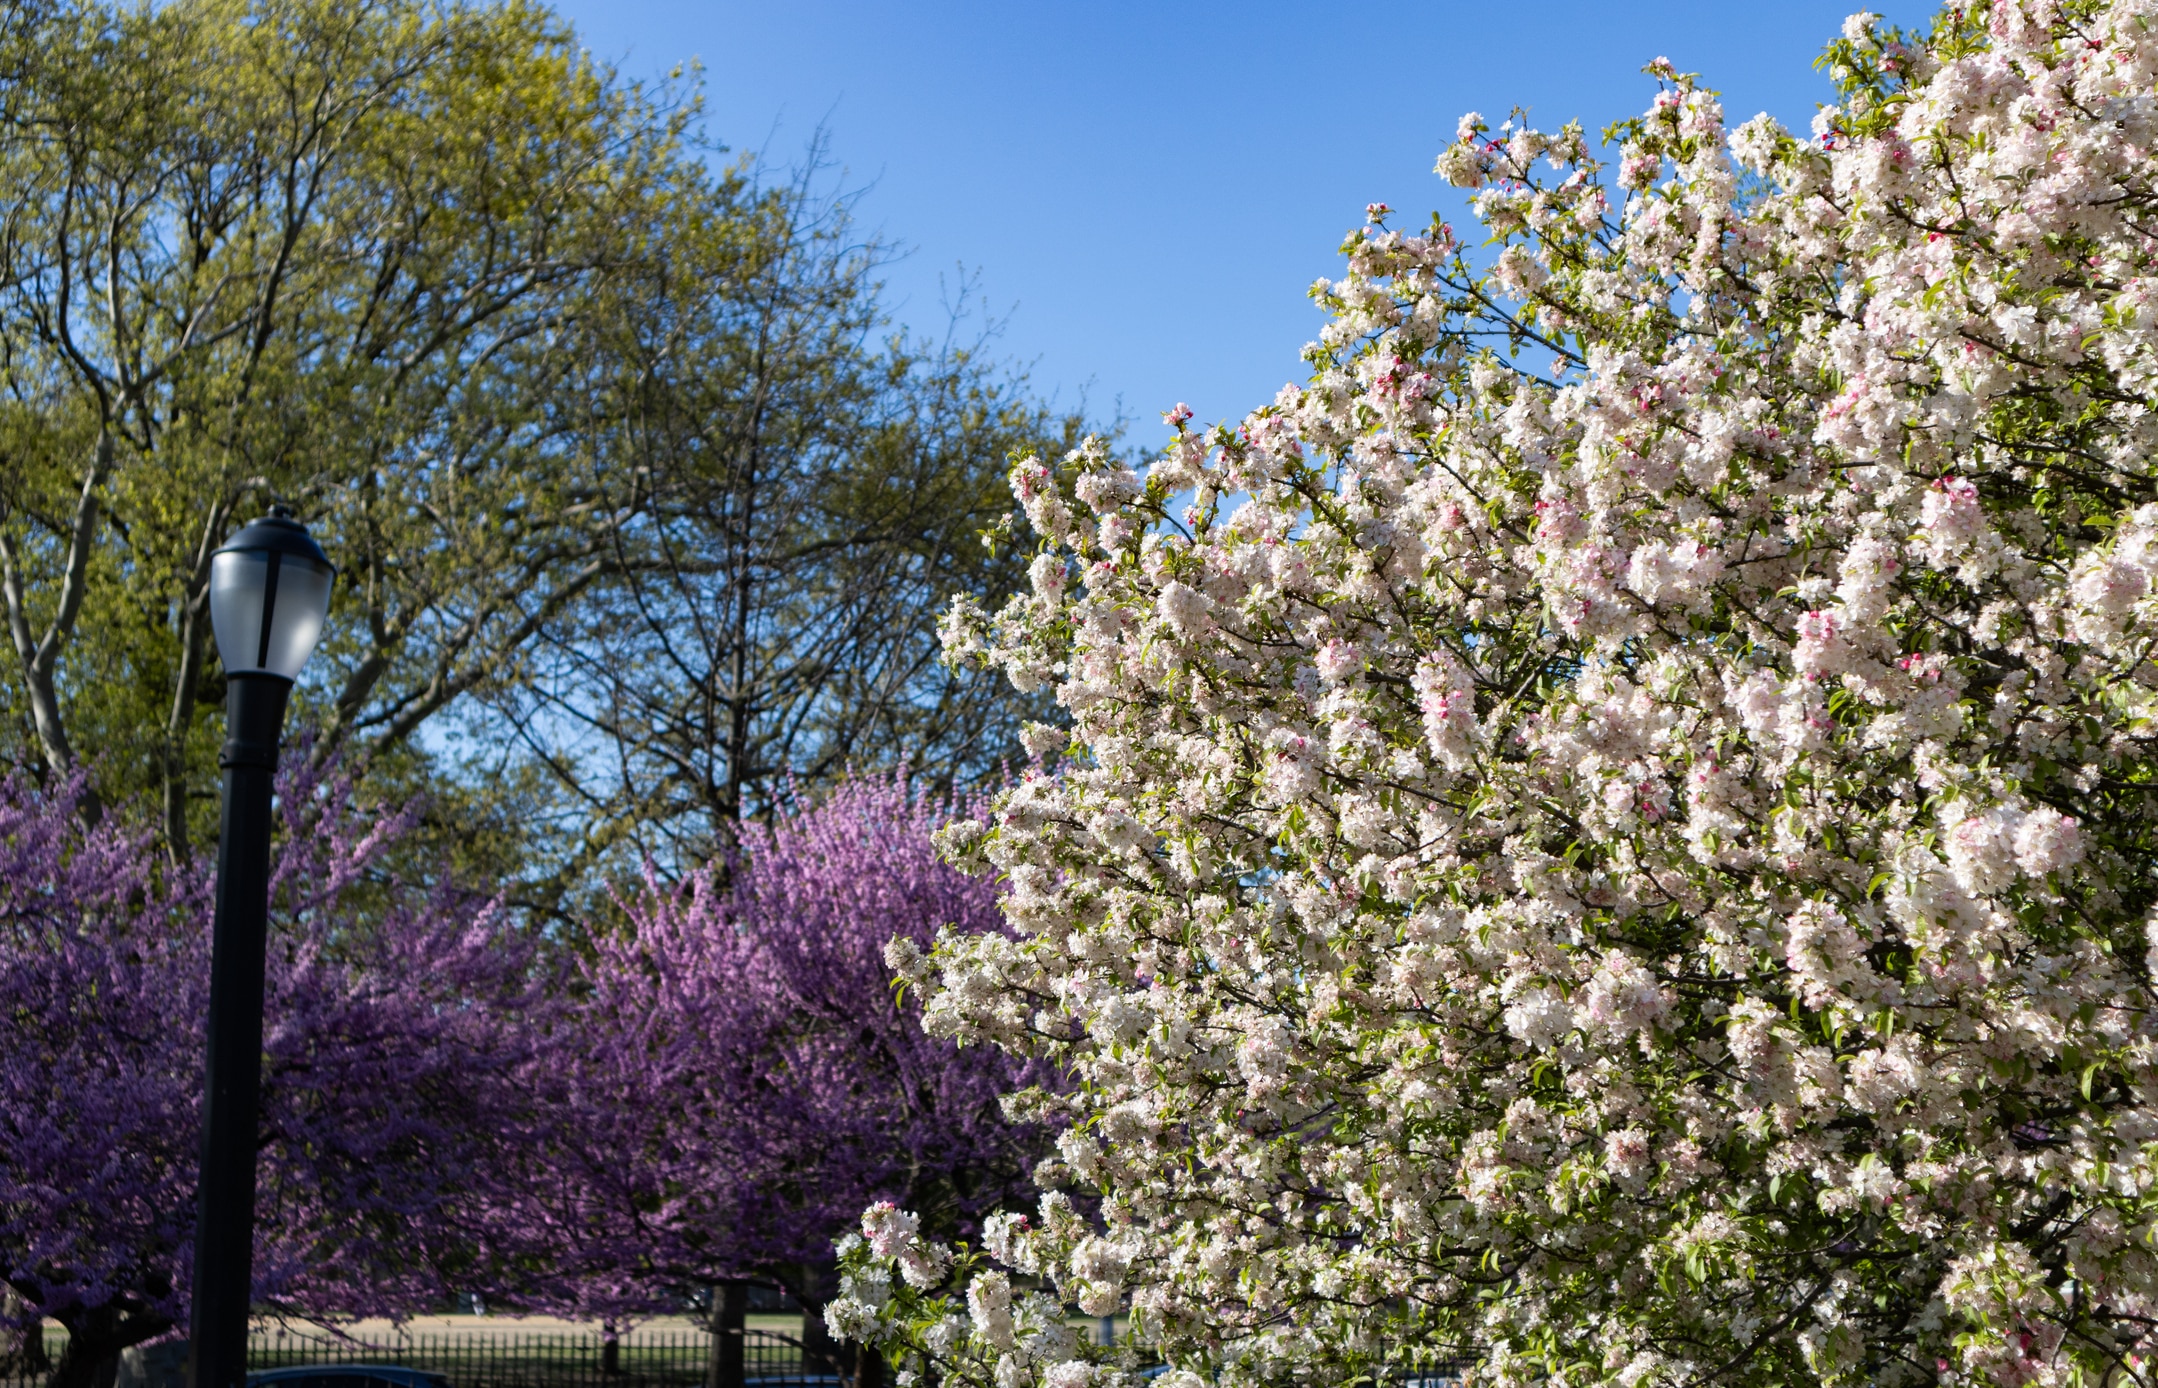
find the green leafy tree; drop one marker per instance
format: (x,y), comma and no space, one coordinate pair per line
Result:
(311,251)
(802,494)
(556,389)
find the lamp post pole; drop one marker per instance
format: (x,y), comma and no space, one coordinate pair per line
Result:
(269,595)
(225,1210)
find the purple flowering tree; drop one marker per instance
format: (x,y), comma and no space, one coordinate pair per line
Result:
(747,1078)
(711,1094)
(398,1024)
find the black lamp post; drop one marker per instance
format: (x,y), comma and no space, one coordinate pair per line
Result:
(269,595)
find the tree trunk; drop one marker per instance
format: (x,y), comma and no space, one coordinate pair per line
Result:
(739,711)
(177,727)
(94,1341)
(40,655)
(194,649)
(22,1353)
(821,1354)
(730,1304)
(85,1364)
(35,1359)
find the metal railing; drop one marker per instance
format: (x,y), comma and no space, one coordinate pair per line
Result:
(557,1359)
(649,1359)
(639,1359)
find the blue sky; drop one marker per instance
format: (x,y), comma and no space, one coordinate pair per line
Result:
(1143,192)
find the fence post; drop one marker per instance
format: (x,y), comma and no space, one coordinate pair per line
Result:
(723,1363)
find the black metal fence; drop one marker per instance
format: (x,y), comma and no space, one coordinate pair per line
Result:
(639,1359)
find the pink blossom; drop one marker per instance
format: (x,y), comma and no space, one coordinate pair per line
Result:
(1951,515)
(1821,648)
(1839,516)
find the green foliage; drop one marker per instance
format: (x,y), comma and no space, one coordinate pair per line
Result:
(505,332)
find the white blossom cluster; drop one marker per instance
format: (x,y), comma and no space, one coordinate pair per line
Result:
(1637,869)
(997,1333)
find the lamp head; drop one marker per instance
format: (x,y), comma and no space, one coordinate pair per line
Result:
(269,596)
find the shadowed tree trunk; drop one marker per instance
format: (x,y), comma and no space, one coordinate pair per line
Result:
(95,1339)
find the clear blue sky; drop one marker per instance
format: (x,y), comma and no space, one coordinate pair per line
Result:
(1145,191)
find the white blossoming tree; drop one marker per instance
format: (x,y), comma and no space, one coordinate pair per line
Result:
(1613,840)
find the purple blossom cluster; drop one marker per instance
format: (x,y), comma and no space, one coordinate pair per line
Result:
(710,1091)
(746,1077)
(384,1028)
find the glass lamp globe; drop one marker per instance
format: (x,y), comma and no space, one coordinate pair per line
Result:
(269,596)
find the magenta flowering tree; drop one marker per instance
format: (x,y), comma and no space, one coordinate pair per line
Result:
(746,1078)
(712,1095)
(395,1038)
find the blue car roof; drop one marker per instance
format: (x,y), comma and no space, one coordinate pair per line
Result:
(395,1373)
